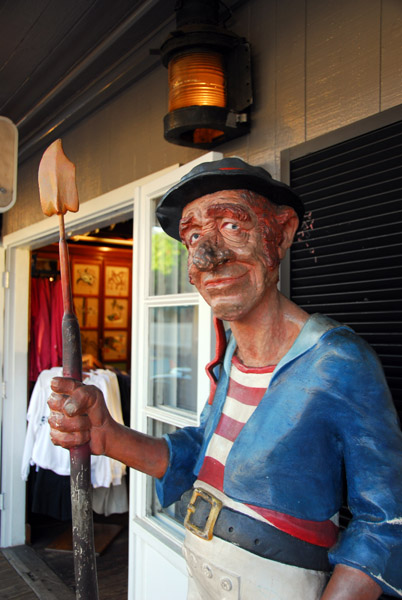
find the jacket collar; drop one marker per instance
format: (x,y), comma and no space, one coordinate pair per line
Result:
(313,329)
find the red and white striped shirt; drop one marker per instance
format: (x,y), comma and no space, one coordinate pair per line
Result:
(247,387)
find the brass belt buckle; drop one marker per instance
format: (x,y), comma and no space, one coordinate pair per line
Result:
(207,532)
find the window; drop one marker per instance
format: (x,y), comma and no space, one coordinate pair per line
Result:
(174,328)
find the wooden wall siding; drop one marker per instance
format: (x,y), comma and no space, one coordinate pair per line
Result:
(276,32)
(124,141)
(318,65)
(290,124)
(259,146)
(342,63)
(119,143)
(391,54)
(256,20)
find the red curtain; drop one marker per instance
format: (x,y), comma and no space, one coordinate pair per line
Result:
(45,347)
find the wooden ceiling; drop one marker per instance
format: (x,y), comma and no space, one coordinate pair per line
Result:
(61,59)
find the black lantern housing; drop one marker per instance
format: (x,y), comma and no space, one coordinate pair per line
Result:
(209,78)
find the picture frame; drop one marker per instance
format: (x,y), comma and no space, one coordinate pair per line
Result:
(115,345)
(87,311)
(115,313)
(117,280)
(90,342)
(86,279)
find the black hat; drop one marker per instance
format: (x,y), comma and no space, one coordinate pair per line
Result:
(225,174)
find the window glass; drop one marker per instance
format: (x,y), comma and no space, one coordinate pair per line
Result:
(175,511)
(168,263)
(173,342)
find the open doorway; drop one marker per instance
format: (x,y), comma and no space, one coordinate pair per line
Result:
(101,267)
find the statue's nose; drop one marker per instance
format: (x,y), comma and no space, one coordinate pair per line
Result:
(209,254)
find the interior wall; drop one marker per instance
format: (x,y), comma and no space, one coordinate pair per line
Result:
(317,65)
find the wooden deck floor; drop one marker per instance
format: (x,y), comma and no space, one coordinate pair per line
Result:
(40,571)
(24,576)
(12,586)
(111,566)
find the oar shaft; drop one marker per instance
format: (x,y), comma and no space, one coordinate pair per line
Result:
(65,274)
(83,533)
(80,456)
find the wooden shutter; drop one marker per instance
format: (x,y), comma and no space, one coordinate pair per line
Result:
(347,261)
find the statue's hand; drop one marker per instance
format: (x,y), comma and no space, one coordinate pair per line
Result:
(78,414)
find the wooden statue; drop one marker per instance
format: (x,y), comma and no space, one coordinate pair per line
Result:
(299,400)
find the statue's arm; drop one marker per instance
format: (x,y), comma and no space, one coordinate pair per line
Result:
(368,554)
(347,583)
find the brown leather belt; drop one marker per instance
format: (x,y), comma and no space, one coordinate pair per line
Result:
(206,516)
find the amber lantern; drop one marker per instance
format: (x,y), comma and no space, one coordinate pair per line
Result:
(209,78)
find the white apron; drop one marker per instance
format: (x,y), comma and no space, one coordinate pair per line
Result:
(219,570)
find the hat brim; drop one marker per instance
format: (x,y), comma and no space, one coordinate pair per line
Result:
(171,206)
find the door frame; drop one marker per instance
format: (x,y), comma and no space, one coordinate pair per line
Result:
(98,212)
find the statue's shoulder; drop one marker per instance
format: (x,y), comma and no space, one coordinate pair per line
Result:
(342,342)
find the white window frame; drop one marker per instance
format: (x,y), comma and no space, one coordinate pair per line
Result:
(159,532)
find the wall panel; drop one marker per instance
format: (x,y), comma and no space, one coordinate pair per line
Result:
(261,143)
(290,75)
(391,53)
(256,21)
(342,63)
(27,207)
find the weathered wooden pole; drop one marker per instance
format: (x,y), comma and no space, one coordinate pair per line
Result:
(58,194)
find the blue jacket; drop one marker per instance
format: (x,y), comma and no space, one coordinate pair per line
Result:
(327,410)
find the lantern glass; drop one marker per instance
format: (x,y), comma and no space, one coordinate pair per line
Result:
(196,79)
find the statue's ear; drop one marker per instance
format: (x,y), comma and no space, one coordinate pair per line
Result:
(289,222)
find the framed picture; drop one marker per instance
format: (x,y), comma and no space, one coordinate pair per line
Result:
(87,311)
(90,342)
(86,279)
(117,280)
(115,313)
(115,345)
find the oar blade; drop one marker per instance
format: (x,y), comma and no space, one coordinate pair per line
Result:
(57,185)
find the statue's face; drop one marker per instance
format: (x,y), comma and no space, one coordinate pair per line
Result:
(227,257)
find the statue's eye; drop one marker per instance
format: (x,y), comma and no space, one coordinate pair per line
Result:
(231,226)
(194,237)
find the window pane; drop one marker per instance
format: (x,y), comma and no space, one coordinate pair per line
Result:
(177,509)
(168,263)
(173,342)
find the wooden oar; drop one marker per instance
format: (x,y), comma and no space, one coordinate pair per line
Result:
(58,194)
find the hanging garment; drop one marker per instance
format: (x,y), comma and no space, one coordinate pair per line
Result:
(125,395)
(39,449)
(111,500)
(49,494)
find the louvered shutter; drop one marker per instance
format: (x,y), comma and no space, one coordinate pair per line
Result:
(347,259)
